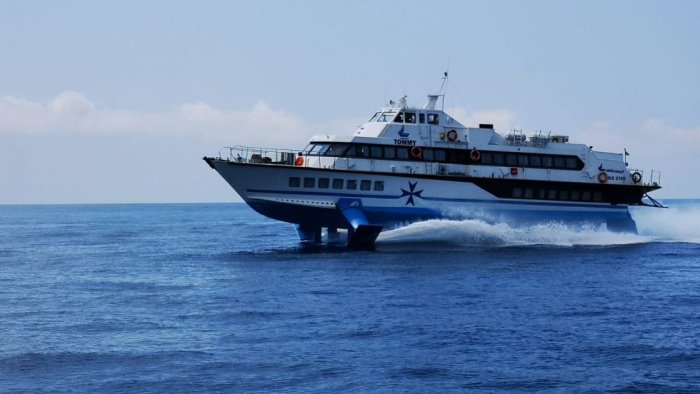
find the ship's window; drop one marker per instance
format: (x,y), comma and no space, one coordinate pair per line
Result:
(351,151)
(337,183)
(317,149)
(402,153)
(389,152)
(375,152)
(586,196)
(323,183)
(439,155)
(535,160)
(362,151)
(433,119)
(294,181)
(571,163)
(309,182)
(499,159)
(575,195)
(352,184)
(385,117)
(365,184)
(597,196)
(551,194)
(528,193)
(399,118)
(379,186)
(410,117)
(517,192)
(511,159)
(335,150)
(421,118)
(523,161)
(487,158)
(428,154)
(547,161)
(563,194)
(559,162)
(373,118)
(541,194)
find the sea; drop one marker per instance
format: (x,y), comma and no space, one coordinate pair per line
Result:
(217,298)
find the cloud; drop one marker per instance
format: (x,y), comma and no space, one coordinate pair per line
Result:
(73,113)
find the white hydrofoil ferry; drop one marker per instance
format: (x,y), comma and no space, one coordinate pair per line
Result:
(409,164)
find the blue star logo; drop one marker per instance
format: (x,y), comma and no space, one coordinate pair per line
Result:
(411,193)
(403,134)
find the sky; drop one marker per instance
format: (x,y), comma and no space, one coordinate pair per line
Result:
(118,101)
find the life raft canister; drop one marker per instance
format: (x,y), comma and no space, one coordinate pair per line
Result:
(475,155)
(452,135)
(299,161)
(603,177)
(417,152)
(636,177)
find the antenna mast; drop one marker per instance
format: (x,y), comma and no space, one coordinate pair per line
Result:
(443,89)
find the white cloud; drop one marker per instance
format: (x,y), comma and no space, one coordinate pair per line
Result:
(73,113)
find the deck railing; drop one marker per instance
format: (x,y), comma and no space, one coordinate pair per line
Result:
(654,178)
(247,154)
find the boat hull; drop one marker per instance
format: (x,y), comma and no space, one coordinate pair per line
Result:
(401,199)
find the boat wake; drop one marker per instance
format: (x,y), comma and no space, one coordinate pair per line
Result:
(479,233)
(675,224)
(678,223)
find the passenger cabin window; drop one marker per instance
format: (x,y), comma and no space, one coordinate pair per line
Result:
(365,184)
(352,184)
(399,118)
(433,119)
(535,161)
(309,183)
(402,153)
(338,183)
(379,186)
(389,152)
(421,118)
(375,152)
(335,150)
(410,117)
(323,183)
(294,181)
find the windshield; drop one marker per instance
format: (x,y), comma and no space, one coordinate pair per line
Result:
(386,116)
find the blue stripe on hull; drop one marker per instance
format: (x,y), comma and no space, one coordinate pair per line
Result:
(392,216)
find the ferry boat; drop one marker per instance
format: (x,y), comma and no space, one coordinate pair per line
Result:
(409,164)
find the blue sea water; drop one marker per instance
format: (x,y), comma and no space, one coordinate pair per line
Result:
(214,297)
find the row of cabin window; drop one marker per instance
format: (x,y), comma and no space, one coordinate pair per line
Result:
(557,194)
(456,156)
(405,117)
(325,183)
(532,160)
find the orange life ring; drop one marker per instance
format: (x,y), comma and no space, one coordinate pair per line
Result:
(452,135)
(299,161)
(603,177)
(475,155)
(417,152)
(636,177)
